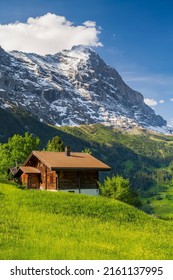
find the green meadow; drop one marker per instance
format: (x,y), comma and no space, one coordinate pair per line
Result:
(42,225)
(162,202)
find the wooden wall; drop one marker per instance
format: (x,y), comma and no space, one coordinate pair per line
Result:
(48,177)
(30,180)
(77,180)
(89,180)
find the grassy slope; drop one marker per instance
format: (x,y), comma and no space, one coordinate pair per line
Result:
(55,225)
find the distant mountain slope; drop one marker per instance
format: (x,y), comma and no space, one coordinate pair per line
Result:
(19,121)
(72,87)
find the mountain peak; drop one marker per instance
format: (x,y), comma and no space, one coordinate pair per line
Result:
(1,49)
(81,48)
(72,87)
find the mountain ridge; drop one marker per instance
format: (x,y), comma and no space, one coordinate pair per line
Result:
(72,87)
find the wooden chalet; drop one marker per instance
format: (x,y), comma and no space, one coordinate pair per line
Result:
(65,171)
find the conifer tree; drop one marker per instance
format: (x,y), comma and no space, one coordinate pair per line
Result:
(55,145)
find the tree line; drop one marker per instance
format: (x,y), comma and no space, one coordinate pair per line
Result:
(18,148)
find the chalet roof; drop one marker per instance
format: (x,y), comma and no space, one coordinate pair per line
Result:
(29,169)
(26,170)
(59,160)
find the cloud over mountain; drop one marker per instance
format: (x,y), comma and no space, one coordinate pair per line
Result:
(49,33)
(150,102)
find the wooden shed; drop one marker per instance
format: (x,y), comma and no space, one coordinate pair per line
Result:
(65,171)
(29,176)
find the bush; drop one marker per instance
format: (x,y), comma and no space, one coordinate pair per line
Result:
(119,188)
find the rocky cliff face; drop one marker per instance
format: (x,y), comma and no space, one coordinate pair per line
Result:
(71,87)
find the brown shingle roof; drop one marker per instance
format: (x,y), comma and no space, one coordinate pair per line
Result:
(26,170)
(29,169)
(59,160)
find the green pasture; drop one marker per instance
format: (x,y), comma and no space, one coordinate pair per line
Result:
(42,225)
(162,203)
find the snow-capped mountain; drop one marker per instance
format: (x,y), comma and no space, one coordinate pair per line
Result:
(72,87)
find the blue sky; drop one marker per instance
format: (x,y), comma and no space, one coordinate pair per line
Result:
(136,38)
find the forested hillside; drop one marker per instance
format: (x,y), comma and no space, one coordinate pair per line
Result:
(146,158)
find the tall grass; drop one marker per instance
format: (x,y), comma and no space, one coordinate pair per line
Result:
(54,225)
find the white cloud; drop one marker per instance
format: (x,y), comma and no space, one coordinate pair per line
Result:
(161,101)
(150,102)
(49,33)
(171,99)
(90,23)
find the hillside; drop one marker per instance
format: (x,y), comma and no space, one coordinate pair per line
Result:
(54,225)
(146,158)
(19,121)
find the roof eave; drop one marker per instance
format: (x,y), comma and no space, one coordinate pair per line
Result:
(80,168)
(34,153)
